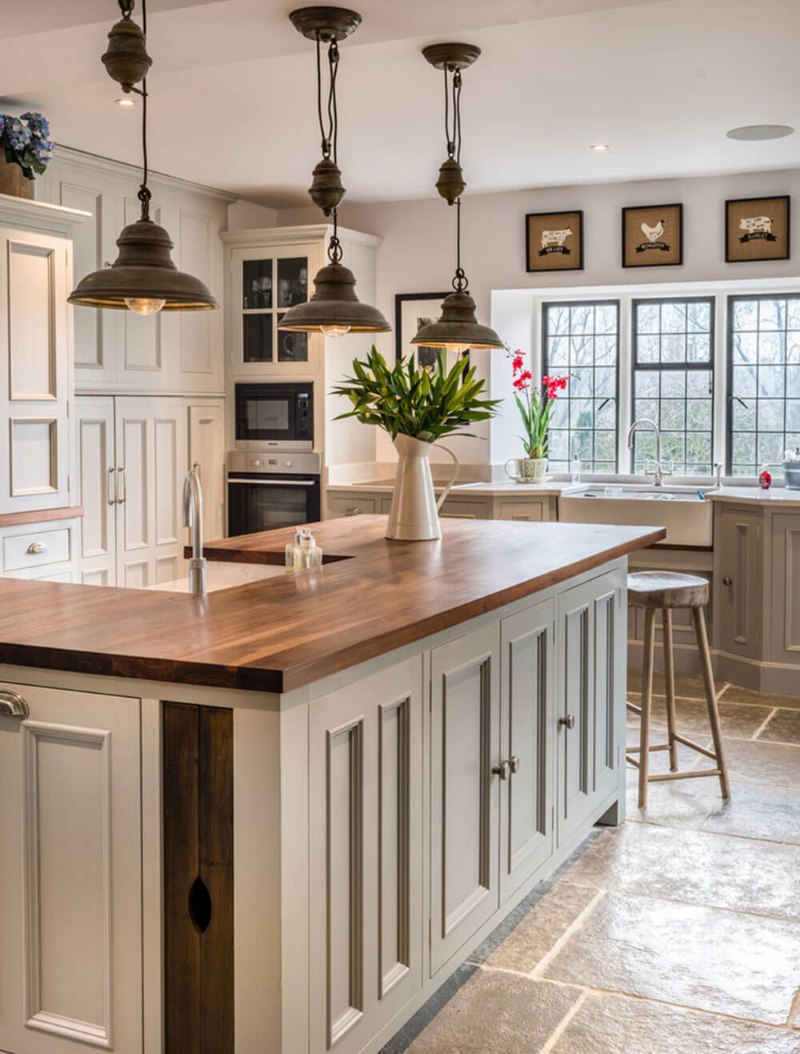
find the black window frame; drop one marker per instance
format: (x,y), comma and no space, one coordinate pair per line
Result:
(605,302)
(732,299)
(659,367)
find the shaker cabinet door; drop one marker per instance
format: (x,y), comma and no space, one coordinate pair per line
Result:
(738,569)
(366,855)
(98,489)
(70,873)
(465,748)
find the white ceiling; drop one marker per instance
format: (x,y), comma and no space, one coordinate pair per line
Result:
(232,90)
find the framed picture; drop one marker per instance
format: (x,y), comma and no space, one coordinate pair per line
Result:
(554,241)
(757,229)
(412,310)
(652,236)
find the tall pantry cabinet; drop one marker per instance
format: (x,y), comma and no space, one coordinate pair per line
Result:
(150,391)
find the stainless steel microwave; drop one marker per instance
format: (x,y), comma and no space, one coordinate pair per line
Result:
(274,415)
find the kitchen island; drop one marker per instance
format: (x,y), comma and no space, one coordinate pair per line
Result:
(277,817)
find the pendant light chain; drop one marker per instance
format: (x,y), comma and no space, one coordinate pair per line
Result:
(329,129)
(453,135)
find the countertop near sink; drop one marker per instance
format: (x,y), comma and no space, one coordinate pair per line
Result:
(290,630)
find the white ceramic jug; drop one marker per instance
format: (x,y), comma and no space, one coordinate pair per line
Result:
(414,516)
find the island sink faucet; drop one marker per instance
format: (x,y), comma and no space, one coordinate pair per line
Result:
(659,472)
(193,517)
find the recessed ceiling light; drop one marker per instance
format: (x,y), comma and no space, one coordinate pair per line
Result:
(125,101)
(752,133)
(600,147)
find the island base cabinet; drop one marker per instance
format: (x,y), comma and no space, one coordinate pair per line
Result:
(366,931)
(591,634)
(70,874)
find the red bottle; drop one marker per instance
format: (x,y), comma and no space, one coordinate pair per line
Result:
(765,479)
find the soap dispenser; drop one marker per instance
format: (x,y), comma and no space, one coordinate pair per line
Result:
(303,554)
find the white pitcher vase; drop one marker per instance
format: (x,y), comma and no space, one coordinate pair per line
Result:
(414,516)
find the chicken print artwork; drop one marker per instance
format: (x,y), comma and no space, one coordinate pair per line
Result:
(757,229)
(652,235)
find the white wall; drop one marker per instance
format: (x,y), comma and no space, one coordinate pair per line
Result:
(418,251)
(246,216)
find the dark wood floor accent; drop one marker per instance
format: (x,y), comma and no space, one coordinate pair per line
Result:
(287,631)
(198,879)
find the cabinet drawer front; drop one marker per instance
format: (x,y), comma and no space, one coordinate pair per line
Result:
(521,510)
(36,548)
(350,506)
(465,510)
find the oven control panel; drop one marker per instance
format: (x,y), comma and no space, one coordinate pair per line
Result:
(274,461)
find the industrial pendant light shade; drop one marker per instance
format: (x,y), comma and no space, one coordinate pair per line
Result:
(143,279)
(458,328)
(334,309)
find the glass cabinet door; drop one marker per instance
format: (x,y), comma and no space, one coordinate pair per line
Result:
(270,285)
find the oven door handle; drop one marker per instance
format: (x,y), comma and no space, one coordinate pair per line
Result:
(275,482)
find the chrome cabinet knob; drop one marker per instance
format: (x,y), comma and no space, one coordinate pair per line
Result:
(568,721)
(727,581)
(515,764)
(354,510)
(35,548)
(503,770)
(13,705)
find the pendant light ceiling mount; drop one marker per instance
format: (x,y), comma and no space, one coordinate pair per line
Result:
(334,309)
(143,278)
(458,327)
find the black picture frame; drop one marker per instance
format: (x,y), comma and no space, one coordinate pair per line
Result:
(785,199)
(676,205)
(529,259)
(400,299)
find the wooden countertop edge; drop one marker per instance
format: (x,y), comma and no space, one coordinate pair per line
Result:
(68,512)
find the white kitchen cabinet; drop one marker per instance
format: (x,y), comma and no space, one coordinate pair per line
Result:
(465,748)
(70,873)
(527,711)
(207,449)
(133,454)
(117,351)
(590,697)
(35,354)
(366,845)
(46,551)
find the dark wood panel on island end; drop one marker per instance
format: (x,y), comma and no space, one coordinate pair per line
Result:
(287,631)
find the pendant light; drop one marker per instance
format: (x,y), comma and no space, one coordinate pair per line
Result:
(458,328)
(334,309)
(143,278)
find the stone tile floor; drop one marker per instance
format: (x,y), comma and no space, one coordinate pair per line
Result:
(676,933)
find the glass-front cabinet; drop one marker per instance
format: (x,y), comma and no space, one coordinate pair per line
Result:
(266,283)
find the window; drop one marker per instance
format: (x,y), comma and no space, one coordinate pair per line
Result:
(763,381)
(673,382)
(582,340)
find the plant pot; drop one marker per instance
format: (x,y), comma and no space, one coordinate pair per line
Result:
(414,516)
(527,469)
(13,180)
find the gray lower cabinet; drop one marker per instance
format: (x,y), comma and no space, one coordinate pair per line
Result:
(739,577)
(366,928)
(785,581)
(590,698)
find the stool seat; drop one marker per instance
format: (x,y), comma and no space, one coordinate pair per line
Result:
(667,589)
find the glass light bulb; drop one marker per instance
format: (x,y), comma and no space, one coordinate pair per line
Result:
(141,305)
(334,332)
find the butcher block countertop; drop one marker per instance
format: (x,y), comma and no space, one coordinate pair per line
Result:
(284,632)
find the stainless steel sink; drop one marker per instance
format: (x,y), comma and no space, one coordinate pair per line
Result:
(223,575)
(687,517)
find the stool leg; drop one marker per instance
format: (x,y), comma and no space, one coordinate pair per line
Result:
(647,702)
(711,698)
(669,677)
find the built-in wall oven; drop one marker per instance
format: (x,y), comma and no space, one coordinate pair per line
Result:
(279,416)
(272,489)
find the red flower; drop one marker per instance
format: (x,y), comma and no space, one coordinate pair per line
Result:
(553,385)
(517,362)
(523,381)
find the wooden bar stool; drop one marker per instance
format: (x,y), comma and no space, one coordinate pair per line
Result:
(664,591)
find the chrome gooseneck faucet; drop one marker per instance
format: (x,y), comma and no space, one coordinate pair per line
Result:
(193,517)
(659,472)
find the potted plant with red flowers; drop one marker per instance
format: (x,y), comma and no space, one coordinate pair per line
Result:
(535,406)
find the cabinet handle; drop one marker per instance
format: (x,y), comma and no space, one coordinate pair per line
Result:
(503,770)
(568,721)
(112,500)
(35,548)
(13,705)
(354,510)
(124,478)
(727,581)
(515,764)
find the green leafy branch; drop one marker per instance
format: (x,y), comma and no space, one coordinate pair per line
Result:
(413,401)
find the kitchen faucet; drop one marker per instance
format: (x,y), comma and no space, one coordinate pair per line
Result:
(193,517)
(659,471)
